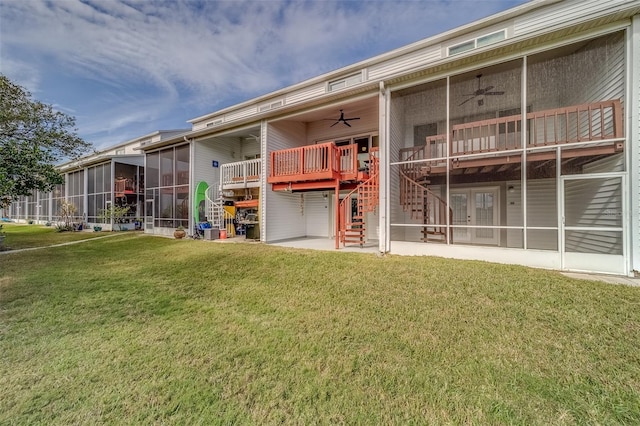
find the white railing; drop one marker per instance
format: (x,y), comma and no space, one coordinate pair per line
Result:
(214,208)
(217,216)
(241,172)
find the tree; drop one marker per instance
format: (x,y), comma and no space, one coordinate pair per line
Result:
(67,212)
(33,138)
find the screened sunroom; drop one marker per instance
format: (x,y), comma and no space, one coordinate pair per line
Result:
(524,154)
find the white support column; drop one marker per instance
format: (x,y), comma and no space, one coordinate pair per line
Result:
(384,167)
(192,186)
(85,195)
(632,109)
(523,141)
(264,158)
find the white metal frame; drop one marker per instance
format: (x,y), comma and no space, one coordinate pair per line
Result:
(617,264)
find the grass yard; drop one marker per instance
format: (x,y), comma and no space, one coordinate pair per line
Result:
(21,236)
(137,329)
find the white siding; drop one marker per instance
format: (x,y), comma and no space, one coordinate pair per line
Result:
(396,142)
(285,218)
(562,14)
(316,212)
(223,150)
(405,62)
(514,213)
(307,93)
(605,59)
(241,113)
(593,203)
(542,211)
(250,148)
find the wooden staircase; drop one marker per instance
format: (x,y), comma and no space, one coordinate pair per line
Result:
(422,203)
(352,229)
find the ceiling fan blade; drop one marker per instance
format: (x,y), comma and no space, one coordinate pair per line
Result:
(345,122)
(353,118)
(494,93)
(466,100)
(486,89)
(335,123)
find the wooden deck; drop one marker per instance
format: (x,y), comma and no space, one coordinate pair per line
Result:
(498,141)
(241,174)
(314,167)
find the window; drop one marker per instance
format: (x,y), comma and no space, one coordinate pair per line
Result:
(481,41)
(215,122)
(462,47)
(269,106)
(344,82)
(490,38)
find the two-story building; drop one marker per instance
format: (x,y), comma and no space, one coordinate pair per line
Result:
(510,139)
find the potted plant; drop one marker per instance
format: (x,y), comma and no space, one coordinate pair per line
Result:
(114,215)
(179,233)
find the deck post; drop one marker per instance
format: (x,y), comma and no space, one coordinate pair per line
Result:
(337,212)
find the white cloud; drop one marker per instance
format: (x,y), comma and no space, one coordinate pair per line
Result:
(207,54)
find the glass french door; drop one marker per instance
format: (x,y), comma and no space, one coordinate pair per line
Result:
(478,209)
(593,231)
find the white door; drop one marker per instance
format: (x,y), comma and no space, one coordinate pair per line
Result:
(592,234)
(477,210)
(148,215)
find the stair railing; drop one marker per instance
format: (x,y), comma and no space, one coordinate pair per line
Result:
(367,199)
(424,204)
(214,207)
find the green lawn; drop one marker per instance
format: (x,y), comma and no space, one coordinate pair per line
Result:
(137,329)
(21,236)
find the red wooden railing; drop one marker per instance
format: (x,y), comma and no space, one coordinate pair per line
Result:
(311,162)
(578,123)
(353,229)
(314,162)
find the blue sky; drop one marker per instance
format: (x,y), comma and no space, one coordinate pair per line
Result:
(125,68)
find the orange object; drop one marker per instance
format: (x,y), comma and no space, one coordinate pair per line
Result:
(223,234)
(246,204)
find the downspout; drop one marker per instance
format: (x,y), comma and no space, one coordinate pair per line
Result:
(632,122)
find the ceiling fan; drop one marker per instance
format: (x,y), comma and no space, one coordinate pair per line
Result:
(481,92)
(342,119)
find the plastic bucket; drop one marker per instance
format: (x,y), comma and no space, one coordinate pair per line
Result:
(223,234)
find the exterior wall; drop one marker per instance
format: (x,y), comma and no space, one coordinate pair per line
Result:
(562,14)
(407,61)
(396,142)
(322,130)
(221,149)
(317,214)
(284,211)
